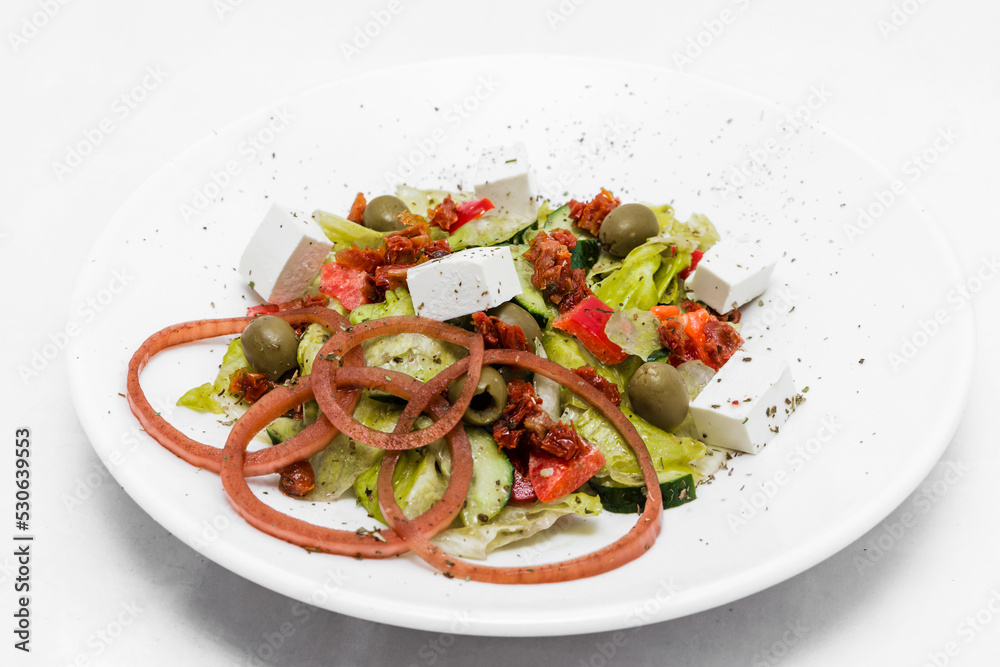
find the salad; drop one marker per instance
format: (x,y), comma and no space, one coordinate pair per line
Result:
(471,367)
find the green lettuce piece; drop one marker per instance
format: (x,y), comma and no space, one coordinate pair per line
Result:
(486,230)
(421,202)
(312,339)
(215,397)
(419,481)
(634,284)
(635,331)
(513,523)
(397,302)
(202,399)
(670,453)
(339,465)
(343,233)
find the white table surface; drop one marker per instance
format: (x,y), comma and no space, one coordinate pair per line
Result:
(110,586)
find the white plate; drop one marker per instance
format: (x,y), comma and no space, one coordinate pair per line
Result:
(867,435)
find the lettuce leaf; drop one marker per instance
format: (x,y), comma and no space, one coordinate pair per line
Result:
(397,302)
(215,397)
(312,339)
(486,230)
(513,523)
(339,465)
(343,233)
(635,331)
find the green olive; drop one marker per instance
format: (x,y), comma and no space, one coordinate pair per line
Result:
(270,345)
(381,212)
(626,227)
(489,400)
(511,313)
(658,395)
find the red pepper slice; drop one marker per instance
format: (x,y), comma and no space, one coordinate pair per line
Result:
(696,256)
(553,477)
(470,210)
(586,321)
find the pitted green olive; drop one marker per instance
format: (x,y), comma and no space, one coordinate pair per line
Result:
(511,313)
(627,227)
(489,400)
(270,345)
(658,395)
(381,212)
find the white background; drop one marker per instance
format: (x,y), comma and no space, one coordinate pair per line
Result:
(103,562)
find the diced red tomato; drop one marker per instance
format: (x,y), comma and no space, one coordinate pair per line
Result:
(470,210)
(553,477)
(696,256)
(343,283)
(266,309)
(586,321)
(663,312)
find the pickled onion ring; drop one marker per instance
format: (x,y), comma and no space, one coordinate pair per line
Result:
(359,544)
(626,549)
(325,372)
(310,441)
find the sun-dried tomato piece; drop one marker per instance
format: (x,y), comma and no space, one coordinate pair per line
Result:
(401,249)
(250,386)
(565,237)
(553,275)
(601,383)
(357,213)
(437,249)
(563,441)
(362,259)
(498,334)
(721,341)
(298,479)
(590,215)
(444,215)
(391,276)
(672,336)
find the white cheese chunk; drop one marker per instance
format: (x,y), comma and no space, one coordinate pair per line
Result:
(284,255)
(505,178)
(463,282)
(745,404)
(731,274)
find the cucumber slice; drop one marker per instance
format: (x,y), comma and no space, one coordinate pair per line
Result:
(531,298)
(585,254)
(283,428)
(492,479)
(675,489)
(559,219)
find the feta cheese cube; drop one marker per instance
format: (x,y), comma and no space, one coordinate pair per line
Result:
(504,177)
(745,404)
(284,255)
(463,282)
(731,274)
